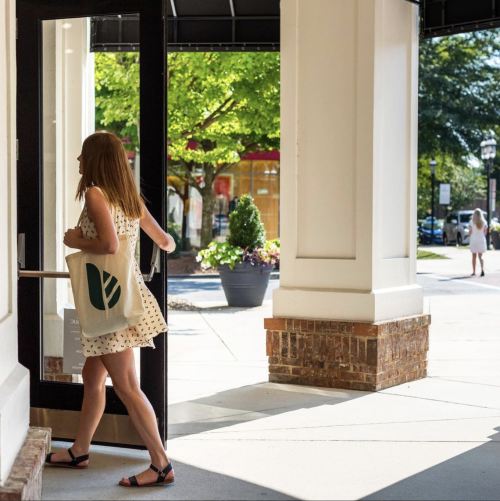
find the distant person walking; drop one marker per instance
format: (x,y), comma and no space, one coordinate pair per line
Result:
(478,228)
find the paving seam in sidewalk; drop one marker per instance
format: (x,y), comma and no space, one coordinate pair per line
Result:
(335,440)
(217,334)
(441,401)
(216,432)
(443,378)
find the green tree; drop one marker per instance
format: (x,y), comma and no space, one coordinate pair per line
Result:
(117,84)
(228,104)
(459,94)
(459,101)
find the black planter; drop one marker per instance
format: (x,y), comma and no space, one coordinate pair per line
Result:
(245,285)
(495,239)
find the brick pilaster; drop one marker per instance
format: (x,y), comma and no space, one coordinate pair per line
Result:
(350,355)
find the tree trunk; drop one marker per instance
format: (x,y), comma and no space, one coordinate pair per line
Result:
(208,195)
(185,200)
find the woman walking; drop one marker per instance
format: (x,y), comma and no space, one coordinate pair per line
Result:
(113,207)
(477,231)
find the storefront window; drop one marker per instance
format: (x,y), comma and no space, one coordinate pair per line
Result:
(257,177)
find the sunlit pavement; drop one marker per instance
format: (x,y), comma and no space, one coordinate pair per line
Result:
(234,436)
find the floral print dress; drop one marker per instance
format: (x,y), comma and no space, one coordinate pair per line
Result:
(151,324)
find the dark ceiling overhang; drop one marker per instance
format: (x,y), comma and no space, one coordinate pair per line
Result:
(254,25)
(199,25)
(449,17)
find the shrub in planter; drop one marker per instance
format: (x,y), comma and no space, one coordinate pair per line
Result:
(245,262)
(246,229)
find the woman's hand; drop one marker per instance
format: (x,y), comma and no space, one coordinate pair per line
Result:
(171,244)
(73,238)
(164,241)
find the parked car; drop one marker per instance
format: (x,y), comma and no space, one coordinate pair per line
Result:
(425,232)
(456,227)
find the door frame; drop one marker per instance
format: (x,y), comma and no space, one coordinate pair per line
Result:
(49,395)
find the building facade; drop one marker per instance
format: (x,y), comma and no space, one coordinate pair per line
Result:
(257,174)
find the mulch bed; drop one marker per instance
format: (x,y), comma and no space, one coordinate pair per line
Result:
(187,265)
(178,304)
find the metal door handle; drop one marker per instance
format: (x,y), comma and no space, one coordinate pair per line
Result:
(42,274)
(22,273)
(21,250)
(155,264)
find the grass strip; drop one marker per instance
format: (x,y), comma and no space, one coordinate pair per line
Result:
(422,254)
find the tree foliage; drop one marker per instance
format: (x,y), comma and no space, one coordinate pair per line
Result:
(459,93)
(459,102)
(229,103)
(117,84)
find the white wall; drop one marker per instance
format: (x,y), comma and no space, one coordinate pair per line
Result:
(349,150)
(14,379)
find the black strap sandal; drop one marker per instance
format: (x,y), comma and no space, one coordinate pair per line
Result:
(161,480)
(72,464)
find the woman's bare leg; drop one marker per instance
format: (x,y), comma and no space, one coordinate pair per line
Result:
(473,263)
(94,400)
(481,260)
(121,368)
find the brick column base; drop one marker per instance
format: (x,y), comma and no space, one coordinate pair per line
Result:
(349,355)
(25,479)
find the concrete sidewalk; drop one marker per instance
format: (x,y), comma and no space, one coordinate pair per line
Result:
(234,436)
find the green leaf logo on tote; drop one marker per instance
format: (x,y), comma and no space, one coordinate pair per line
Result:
(96,286)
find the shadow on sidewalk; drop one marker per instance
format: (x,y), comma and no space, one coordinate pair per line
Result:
(248,403)
(190,286)
(473,475)
(466,277)
(101,479)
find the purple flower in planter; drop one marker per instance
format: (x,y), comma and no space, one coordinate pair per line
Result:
(268,256)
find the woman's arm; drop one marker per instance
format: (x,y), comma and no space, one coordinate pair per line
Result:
(98,211)
(154,231)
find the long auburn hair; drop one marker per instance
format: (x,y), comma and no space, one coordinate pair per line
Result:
(478,219)
(105,165)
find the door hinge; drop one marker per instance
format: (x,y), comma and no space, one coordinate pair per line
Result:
(17,149)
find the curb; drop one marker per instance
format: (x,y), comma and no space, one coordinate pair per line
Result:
(275,275)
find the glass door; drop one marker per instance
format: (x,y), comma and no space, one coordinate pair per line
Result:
(64,95)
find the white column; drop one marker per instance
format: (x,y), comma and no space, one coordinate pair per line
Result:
(14,378)
(349,160)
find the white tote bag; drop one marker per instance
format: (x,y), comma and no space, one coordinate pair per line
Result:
(106,290)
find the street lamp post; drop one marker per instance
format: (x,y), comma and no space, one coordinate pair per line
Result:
(488,153)
(433,165)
